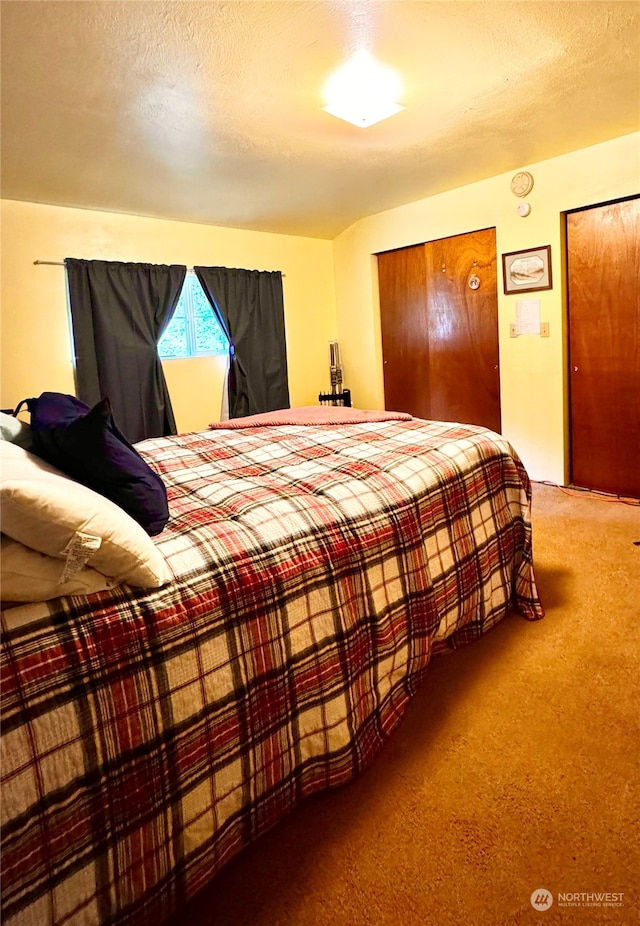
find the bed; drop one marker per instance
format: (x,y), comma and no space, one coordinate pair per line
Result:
(148,735)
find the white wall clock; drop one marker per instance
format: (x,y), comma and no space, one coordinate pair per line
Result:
(522,183)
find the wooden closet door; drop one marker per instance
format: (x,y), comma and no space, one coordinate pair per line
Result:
(463,329)
(603,256)
(439,335)
(405,332)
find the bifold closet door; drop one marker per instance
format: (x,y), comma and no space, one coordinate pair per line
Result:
(405,330)
(439,321)
(463,329)
(603,258)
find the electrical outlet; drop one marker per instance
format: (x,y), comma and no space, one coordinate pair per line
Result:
(544,329)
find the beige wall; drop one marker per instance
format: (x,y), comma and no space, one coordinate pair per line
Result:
(35,353)
(532,369)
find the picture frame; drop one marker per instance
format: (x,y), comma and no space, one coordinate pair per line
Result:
(527,271)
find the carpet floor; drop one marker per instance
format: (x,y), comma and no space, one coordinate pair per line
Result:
(512,777)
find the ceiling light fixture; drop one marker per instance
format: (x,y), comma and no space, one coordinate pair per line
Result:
(363,91)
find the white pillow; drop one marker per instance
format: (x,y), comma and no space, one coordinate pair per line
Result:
(26,575)
(51,513)
(16,431)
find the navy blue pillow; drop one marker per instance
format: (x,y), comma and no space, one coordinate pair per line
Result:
(55,410)
(87,445)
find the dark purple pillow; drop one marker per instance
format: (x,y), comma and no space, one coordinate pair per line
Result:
(55,410)
(87,445)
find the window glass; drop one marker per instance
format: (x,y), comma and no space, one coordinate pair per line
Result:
(209,335)
(174,342)
(194,330)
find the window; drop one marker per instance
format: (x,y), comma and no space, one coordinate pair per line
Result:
(194,330)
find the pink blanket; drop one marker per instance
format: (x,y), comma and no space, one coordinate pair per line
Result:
(310,415)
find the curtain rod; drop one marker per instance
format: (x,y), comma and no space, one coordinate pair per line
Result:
(61,263)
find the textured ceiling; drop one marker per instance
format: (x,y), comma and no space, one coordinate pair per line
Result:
(211,111)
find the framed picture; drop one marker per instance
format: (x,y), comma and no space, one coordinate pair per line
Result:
(527,271)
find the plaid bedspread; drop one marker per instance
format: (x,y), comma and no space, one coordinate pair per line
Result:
(148,736)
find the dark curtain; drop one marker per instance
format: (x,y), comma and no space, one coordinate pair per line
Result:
(118,313)
(250,307)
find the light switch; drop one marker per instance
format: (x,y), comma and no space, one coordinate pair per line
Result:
(544,329)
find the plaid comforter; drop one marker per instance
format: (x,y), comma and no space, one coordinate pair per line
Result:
(148,736)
